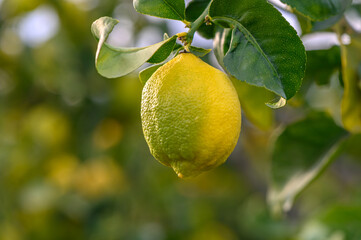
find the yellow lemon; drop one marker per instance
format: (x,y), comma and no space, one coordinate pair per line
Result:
(191,115)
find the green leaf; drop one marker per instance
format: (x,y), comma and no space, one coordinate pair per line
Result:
(265,50)
(193,11)
(351,102)
(356,7)
(114,62)
(145,74)
(277,103)
(171,9)
(326,24)
(101,28)
(305,23)
(308,26)
(163,51)
(352,146)
(221,43)
(321,64)
(302,151)
(345,219)
(338,221)
(252,101)
(252,98)
(325,98)
(321,87)
(199,52)
(319,9)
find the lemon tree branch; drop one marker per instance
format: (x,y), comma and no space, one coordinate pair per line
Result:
(187,38)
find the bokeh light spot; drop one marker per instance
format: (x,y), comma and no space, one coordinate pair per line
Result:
(38,26)
(107,134)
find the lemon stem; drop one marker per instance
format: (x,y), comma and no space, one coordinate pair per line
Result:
(196,24)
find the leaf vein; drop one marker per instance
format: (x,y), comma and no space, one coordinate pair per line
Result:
(171,7)
(255,44)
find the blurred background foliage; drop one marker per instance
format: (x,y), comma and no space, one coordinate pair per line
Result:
(74,163)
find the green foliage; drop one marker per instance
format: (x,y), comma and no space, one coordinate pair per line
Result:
(145,74)
(322,64)
(309,26)
(222,43)
(252,100)
(256,45)
(340,221)
(253,56)
(319,9)
(351,102)
(277,103)
(311,21)
(345,219)
(73,163)
(302,151)
(172,9)
(199,52)
(114,62)
(256,58)
(193,10)
(351,146)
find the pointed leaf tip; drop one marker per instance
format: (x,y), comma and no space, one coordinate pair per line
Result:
(101,28)
(114,62)
(265,50)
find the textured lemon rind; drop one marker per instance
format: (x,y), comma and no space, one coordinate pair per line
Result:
(191,115)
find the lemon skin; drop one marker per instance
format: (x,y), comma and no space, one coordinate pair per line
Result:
(191,115)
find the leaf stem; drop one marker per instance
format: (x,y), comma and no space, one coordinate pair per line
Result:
(195,25)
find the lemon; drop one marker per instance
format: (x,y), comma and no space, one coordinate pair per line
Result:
(191,115)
